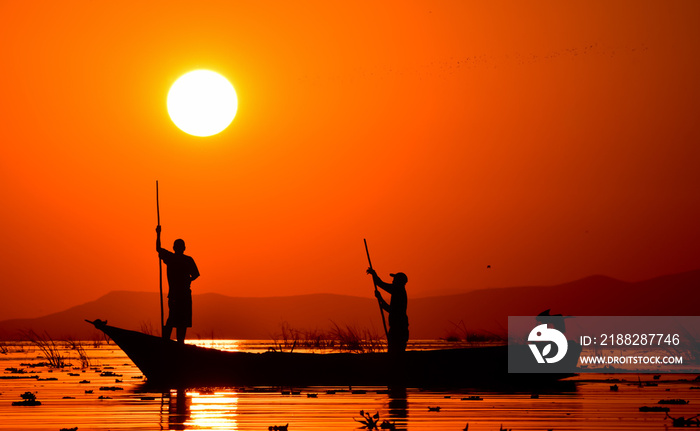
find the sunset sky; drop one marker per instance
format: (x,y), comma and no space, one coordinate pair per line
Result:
(550,140)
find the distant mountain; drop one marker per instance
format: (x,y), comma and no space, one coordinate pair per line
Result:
(483,310)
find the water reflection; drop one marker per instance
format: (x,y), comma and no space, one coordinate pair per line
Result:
(202,410)
(398,406)
(178,410)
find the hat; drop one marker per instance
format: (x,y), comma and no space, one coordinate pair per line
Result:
(400,277)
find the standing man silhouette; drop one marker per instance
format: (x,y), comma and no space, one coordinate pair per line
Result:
(182,271)
(398,319)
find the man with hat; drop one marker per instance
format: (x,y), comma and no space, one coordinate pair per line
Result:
(398,319)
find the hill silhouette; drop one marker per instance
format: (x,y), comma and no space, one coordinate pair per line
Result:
(485,310)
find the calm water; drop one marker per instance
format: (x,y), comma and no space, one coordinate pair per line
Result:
(67,403)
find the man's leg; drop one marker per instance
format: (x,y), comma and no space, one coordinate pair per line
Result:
(396,341)
(167,331)
(181,332)
(391,342)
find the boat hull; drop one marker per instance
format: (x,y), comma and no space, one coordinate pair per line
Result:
(166,363)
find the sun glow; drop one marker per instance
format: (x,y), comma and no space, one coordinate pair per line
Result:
(218,410)
(202,103)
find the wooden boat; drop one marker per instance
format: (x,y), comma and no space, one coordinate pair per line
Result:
(166,363)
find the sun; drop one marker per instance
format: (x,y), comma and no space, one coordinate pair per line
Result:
(202,103)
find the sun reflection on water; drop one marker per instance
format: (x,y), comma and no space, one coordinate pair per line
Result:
(226,345)
(203,410)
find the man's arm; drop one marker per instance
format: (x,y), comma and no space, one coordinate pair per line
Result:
(382,302)
(194,272)
(158,239)
(163,254)
(378,281)
(384,285)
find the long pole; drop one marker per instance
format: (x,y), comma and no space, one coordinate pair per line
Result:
(160,268)
(381,310)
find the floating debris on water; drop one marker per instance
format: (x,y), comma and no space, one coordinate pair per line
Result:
(472,398)
(278,427)
(258,390)
(70,429)
(16,377)
(34,364)
(109,374)
(84,381)
(111,388)
(614,388)
(654,409)
(674,401)
(28,399)
(434,409)
(681,422)
(372,421)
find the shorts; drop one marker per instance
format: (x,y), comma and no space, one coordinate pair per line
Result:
(180,314)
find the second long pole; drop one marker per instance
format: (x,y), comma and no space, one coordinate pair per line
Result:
(381,310)
(160,269)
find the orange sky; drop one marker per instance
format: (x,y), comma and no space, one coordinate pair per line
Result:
(550,140)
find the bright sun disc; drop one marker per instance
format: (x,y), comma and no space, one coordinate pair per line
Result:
(202,103)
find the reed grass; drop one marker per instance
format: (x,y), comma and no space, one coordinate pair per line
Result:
(147,328)
(352,339)
(98,339)
(345,339)
(80,350)
(460,333)
(286,339)
(96,342)
(48,347)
